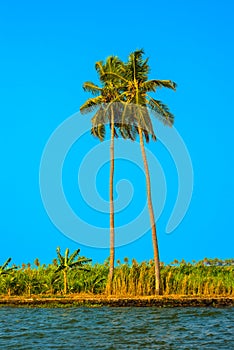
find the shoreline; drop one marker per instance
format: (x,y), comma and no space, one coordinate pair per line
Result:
(111,301)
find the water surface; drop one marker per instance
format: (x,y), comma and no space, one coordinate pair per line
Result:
(116,328)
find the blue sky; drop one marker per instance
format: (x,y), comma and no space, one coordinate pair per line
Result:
(49,50)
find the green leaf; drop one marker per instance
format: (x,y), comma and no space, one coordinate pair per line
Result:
(60,257)
(74,256)
(5,264)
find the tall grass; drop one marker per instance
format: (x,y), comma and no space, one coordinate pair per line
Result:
(204,278)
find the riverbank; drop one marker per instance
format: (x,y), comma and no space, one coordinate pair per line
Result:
(101,300)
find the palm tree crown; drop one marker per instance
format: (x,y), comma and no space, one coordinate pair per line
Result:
(134,88)
(104,96)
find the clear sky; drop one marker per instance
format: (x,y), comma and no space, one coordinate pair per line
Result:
(48,49)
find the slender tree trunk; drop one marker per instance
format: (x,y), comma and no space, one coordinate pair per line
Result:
(112,232)
(152,219)
(65,281)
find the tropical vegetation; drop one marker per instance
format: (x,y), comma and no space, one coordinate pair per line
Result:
(66,263)
(209,277)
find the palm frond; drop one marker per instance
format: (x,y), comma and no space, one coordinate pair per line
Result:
(137,68)
(60,257)
(91,104)
(80,262)
(161,111)
(152,85)
(88,86)
(5,264)
(99,66)
(74,256)
(10,269)
(106,76)
(114,65)
(99,131)
(99,121)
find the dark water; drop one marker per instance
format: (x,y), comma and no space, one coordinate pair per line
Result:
(116,328)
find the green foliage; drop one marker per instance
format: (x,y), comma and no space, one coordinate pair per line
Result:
(125,91)
(104,96)
(66,263)
(4,269)
(204,278)
(127,84)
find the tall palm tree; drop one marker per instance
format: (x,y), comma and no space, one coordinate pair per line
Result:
(103,102)
(133,78)
(66,263)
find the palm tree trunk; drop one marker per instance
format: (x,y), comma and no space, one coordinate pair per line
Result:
(65,281)
(112,232)
(152,219)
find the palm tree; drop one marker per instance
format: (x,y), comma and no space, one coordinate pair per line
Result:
(135,88)
(66,263)
(103,102)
